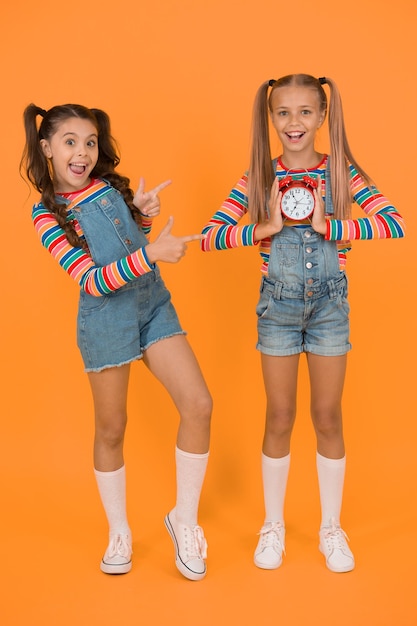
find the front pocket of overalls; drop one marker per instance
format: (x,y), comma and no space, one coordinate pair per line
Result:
(90,304)
(265,299)
(288,254)
(341,294)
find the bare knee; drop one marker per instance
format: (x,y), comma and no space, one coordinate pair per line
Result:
(111,431)
(199,408)
(194,429)
(327,423)
(195,412)
(280,422)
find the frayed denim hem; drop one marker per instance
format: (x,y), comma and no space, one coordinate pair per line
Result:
(180,332)
(139,357)
(107,367)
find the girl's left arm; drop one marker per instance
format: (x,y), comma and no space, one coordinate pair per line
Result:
(382,220)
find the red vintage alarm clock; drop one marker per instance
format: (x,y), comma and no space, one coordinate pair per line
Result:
(297,201)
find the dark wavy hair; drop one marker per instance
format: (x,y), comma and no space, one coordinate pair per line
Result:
(35,164)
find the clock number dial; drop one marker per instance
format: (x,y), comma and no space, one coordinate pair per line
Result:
(297,202)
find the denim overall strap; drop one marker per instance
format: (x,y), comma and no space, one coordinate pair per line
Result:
(109,228)
(328,209)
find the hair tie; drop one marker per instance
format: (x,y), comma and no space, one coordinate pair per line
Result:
(272,82)
(323,80)
(42,112)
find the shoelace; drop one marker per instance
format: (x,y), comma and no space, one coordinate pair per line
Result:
(335,536)
(196,546)
(271,536)
(119,546)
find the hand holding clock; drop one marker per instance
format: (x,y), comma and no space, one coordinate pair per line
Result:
(275,222)
(298,206)
(318,219)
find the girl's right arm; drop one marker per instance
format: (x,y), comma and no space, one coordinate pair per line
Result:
(94,280)
(222,231)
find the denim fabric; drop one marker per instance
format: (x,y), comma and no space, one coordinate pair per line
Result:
(116,328)
(303,303)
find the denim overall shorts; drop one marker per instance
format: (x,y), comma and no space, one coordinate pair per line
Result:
(303,304)
(117,328)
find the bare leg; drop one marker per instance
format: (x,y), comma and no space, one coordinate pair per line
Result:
(109,388)
(280,380)
(173,363)
(327,376)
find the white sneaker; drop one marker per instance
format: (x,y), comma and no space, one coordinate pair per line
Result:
(333,545)
(271,545)
(190,548)
(117,558)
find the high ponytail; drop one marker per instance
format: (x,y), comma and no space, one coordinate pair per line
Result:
(33,160)
(261,176)
(340,154)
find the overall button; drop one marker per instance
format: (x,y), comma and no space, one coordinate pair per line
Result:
(104,202)
(310,293)
(117,221)
(309,265)
(307,234)
(309,250)
(310,281)
(128,242)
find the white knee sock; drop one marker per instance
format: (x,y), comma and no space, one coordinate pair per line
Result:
(331,476)
(112,489)
(275,475)
(191,469)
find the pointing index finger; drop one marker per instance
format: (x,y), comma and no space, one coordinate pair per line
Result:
(159,187)
(188,238)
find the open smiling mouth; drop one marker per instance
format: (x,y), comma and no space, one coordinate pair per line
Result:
(77,168)
(295,136)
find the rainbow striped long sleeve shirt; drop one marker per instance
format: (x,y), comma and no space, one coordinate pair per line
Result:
(381,219)
(93,279)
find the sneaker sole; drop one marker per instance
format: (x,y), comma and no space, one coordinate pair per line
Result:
(122,568)
(181,566)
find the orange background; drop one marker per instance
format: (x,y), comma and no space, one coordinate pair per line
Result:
(178,80)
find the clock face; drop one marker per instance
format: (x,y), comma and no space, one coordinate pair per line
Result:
(297,202)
